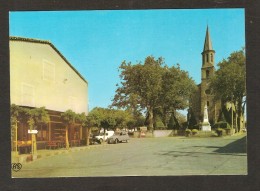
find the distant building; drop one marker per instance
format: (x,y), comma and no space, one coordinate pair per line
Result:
(203,97)
(41,76)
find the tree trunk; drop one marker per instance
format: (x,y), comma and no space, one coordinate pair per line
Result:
(88,130)
(177,125)
(239,114)
(150,118)
(164,118)
(34,144)
(67,138)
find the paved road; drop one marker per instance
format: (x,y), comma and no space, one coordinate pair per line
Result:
(147,157)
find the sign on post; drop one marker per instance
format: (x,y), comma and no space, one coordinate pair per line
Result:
(32,131)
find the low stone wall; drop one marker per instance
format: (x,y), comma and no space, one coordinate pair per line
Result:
(162,133)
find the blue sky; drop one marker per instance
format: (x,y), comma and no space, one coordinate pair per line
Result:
(96,42)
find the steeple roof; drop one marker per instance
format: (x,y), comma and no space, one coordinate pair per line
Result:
(207,43)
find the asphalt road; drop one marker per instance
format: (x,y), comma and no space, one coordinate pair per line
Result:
(147,157)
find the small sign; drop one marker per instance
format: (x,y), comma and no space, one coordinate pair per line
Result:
(32,131)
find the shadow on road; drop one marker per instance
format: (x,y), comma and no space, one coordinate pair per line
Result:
(237,148)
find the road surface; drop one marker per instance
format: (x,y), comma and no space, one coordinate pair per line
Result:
(147,157)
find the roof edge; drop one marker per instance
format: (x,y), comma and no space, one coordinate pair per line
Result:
(15,38)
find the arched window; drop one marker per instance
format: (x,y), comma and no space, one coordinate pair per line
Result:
(207,73)
(208,103)
(211,57)
(207,57)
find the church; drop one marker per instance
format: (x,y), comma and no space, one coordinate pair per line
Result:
(202,97)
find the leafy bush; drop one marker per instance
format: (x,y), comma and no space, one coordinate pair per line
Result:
(194,131)
(221,124)
(187,132)
(220,132)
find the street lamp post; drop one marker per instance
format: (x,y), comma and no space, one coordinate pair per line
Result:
(34,147)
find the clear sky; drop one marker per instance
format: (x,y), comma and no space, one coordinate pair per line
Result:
(96,42)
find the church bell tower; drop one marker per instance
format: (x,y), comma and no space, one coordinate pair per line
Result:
(207,71)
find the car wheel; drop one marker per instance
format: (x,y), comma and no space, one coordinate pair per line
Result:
(116,141)
(127,141)
(100,141)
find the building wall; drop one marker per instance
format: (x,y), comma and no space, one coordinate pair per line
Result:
(39,76)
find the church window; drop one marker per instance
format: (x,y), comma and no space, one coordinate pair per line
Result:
(207,73)
(211,57)
(207,57)
(208,103)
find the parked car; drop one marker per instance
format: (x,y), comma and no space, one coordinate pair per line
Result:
(103,137)
(116,138)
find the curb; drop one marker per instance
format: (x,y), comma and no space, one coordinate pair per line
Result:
(26,158)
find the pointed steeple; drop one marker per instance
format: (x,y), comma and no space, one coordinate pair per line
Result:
(207,43)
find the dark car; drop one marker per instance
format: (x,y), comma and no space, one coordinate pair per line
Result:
(116,138)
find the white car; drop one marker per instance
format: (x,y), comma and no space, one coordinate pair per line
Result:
(103,137)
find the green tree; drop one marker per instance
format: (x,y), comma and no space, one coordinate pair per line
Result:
(140,86)
(81,119)
(40,117)
(93,120)
(191,119)
(108,118)
(229,82)
(177,87)
(153,85)
(15,112)
(68,118)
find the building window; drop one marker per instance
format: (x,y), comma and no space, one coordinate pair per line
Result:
(211,57)
(27,95)
(207,57)
(207,91)
(207,73)
(208,103)
(48,71)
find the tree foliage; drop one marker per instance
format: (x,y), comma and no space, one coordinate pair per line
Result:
(229,82)
(110,118)
(38,117)
(153,85)
(68,118)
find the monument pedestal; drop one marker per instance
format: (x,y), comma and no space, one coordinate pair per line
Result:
(205,126)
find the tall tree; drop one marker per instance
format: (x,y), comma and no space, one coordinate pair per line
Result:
(177,87)
(15,114)
(82,120)
(140,86)
(229,82)
(153,85)
(40,116)
(68,118)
